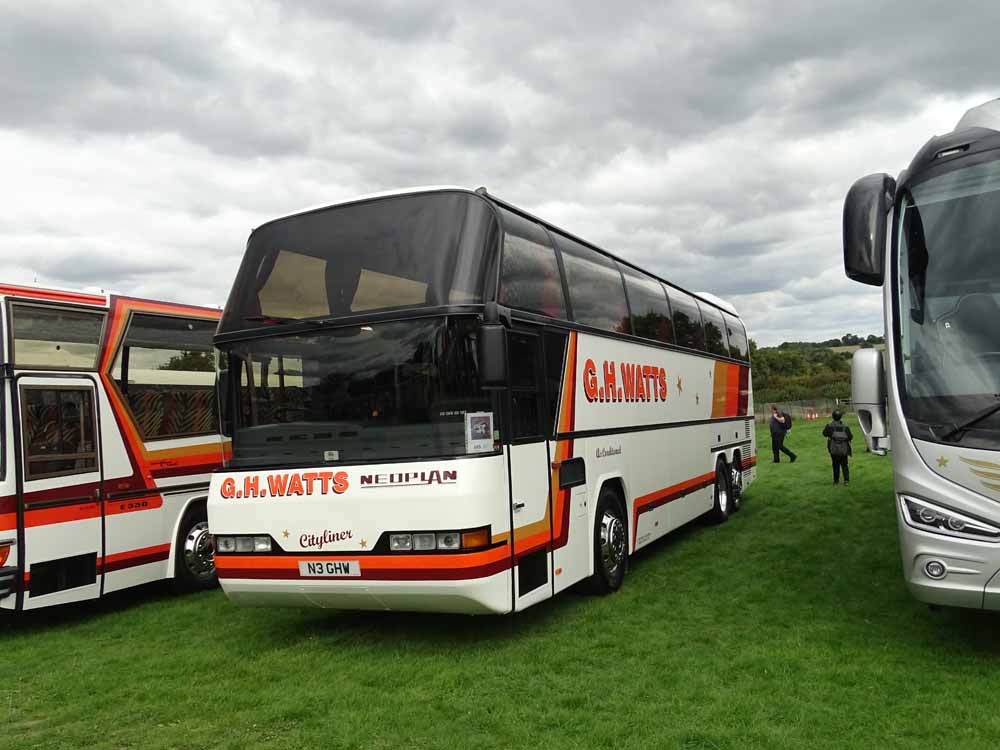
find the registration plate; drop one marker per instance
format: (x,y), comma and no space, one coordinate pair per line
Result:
(328,568)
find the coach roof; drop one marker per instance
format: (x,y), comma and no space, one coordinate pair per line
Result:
(707,298)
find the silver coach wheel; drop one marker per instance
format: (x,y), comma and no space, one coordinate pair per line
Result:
(199,558)
(722,493)
(612,543)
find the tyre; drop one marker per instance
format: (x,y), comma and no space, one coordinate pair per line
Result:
(736,483)
(610,543)
(723,493)
(194,560)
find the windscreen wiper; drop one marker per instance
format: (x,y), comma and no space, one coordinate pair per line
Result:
(957,430)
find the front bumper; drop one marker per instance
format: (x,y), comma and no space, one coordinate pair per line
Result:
(972,579)
(487,595)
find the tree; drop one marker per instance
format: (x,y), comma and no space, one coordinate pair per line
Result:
(191,362)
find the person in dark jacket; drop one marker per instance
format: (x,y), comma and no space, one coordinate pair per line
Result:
(780,425)
(838,444)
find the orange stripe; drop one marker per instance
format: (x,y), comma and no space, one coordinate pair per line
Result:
(719,378)
(62,514)
(667,494)
(53,295)
(226,563)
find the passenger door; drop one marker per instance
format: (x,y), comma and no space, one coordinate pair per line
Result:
(60,488)
(529,469)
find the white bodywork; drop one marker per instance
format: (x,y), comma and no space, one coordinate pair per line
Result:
(661,450)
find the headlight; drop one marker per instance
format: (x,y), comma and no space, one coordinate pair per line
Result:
(400,542)
(242,544)
(926,516)
(225,544)
(441,541)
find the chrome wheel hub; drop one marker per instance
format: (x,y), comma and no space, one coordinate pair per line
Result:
(737,483)
(199,557)
(612,542)
(723,495)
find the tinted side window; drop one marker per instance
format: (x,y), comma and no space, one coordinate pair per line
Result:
(56,337)
(529,272)
(524,355)
(555,346)
(738,346)
(715,331)
(595,287)
(687,320)
(166,371)
(650,311)
(58,426)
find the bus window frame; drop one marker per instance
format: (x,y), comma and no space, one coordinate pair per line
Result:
(91,390)
(722,330)
(11,333)
(123,396)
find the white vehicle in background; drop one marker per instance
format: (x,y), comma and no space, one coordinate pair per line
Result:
(936,397)
(109,430)
(439,402)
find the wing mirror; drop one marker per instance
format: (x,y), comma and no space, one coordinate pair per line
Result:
(865,210)
(868,394)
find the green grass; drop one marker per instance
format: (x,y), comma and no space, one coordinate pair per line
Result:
(789,626)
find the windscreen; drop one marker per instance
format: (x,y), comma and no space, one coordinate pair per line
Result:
(400,390)
(408,251)
(949,304)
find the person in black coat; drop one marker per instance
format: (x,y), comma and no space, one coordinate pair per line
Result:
(780,424)
(838,445)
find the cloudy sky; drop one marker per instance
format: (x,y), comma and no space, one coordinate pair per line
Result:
(712,142)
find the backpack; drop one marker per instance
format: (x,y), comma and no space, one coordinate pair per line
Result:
(839,442)
(788,420)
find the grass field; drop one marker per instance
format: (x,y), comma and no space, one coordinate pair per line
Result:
(789,626)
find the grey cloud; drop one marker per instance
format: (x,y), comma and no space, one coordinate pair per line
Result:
(710,144)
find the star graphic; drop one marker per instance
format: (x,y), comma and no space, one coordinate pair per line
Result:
(364,544)
(942,461)
(285,533)
(680,385)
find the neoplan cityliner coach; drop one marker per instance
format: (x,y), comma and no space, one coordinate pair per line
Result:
(109,425)
(439,402)
(937,394)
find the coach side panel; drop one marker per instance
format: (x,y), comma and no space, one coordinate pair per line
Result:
(655,422)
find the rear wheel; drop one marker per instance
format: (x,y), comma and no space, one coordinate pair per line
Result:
(194,567)
(610,544)
(723,493)
(736,483)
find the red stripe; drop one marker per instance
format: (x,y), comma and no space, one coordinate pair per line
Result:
(52,295)
(179,471)
(373,574)
(733,390)
(744,391)
(134,558)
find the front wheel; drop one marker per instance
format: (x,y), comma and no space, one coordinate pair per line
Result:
(194,568)
(723,492)
(610,544)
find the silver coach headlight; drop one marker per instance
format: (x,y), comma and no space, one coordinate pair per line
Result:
(932,518)
(225,544)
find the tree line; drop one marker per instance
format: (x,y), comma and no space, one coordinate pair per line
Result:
(805,370)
